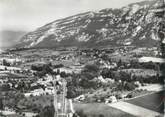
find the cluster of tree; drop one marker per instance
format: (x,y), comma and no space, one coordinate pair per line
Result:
(123,76)
(128,77)
(147,65)
(19,86)
(74,91)
(137,65)
(5,63)
(87,75)
(42,70)
(106,73)
(128,86)
(45,67)
(149,79)
(47,111)
(12,98)
(58,66)
(90,72)
(84,80)
(73,86)
(63,74)
(5,87)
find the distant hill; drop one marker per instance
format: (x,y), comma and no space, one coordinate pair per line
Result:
(9,38)
(131,25)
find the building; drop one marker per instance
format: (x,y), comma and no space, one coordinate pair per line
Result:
(151,59)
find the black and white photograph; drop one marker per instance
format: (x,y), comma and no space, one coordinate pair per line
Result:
(82,58)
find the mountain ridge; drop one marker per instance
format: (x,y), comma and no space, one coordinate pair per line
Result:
(129,25)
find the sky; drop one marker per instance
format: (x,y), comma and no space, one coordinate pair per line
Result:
(27,15)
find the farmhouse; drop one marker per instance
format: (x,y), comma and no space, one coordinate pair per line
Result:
(151,59)
(9,68)
(11,60)
(6,76)
(111,99)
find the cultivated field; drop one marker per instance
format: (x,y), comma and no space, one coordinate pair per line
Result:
(99,110)
(152,101)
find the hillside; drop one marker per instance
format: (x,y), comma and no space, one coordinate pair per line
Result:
(132,25)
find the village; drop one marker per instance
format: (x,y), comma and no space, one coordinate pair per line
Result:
(93,76)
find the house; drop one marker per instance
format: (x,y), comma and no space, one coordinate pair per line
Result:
(151,59)
(36,92)
(9,68)
(111,99)
(7,75)
(64,69)
(12,61)
(80,98)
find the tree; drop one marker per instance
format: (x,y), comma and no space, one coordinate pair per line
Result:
(119,63)
(71,93)
(47,69)
(91,68)
(129,86)
(63,74)
(90,71)
(106,73)
(36,68)
(105,57)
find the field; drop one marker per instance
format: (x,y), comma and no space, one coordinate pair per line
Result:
(152,101)
(89,109)
(36,101)
(99,110)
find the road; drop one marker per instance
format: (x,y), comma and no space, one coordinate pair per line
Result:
(134,110)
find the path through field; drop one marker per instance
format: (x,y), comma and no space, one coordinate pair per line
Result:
(134,110)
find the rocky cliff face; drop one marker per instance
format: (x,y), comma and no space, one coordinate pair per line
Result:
(134,24)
